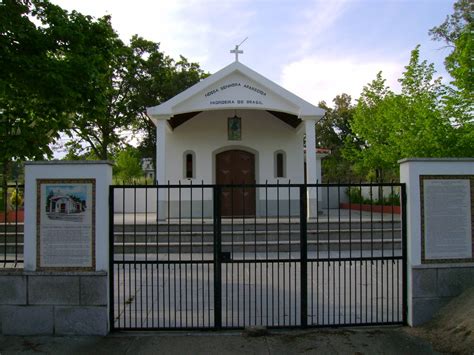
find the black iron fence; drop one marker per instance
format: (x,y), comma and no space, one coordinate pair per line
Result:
(11,225)
(190,256)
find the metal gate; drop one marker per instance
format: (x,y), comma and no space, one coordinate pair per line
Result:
(176,263)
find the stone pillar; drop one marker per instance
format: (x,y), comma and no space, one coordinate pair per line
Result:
(431,283)
(59,292)
(311,164)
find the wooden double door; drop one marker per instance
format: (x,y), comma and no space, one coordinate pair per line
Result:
(236,167)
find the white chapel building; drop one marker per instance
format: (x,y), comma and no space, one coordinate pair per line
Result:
(236,127)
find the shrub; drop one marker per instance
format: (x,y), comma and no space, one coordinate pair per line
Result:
(355,197)
(392,199)
(16,199)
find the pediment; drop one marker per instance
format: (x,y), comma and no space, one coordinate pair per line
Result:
(236,91)
(235,87)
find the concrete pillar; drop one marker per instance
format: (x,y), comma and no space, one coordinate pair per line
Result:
(431,284)
(311,164)
(100,171)
(64,287)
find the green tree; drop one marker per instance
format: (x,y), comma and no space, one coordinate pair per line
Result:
(425,129)
(49,68)
(137,75)
(97,128)
(332,131)
(413,123)
(127,165)
(75,151)
(372,157)
(457,31)
(163,83)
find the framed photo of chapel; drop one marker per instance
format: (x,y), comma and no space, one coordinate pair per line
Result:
(447,218)
(234,128)
(65,224)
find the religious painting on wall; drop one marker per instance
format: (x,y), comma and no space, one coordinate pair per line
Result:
(234,128)
(66,224)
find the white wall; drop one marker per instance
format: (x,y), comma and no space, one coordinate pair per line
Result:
(101,171)
(133,200)
(206,134)
(336,196)
(261,132)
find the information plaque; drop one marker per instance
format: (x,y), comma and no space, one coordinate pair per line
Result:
(66,224)
(446,219)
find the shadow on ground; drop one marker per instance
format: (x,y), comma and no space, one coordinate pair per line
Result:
(394,340)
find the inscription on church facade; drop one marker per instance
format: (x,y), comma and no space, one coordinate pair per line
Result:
(236,101)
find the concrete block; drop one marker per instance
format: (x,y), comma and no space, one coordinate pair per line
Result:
(425,283)
(81,320)
(94,290)
(27,320)
(424,309)
(12,290)
(54,290)
(453,281)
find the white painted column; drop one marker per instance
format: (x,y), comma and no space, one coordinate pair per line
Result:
(161,166)
(161,151)
(311,164)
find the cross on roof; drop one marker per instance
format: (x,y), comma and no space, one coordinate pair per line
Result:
(238,51)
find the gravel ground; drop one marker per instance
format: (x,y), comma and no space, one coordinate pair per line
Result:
(452,329)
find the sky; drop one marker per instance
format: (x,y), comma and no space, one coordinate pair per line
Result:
(315,48)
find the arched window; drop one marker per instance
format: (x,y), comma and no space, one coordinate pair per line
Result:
(280,164)
(189,165)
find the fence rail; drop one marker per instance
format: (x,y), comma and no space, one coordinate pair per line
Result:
(11,225)
(196,257)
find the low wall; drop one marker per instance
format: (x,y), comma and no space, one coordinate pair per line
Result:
(371,208)
(435,285)
(331,197)
(46,303)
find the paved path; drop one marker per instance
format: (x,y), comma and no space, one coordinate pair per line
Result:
(175,296)
(317,341)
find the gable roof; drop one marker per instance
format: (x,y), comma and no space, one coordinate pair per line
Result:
(235,87)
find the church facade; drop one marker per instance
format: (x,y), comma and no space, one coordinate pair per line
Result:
(236,127)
